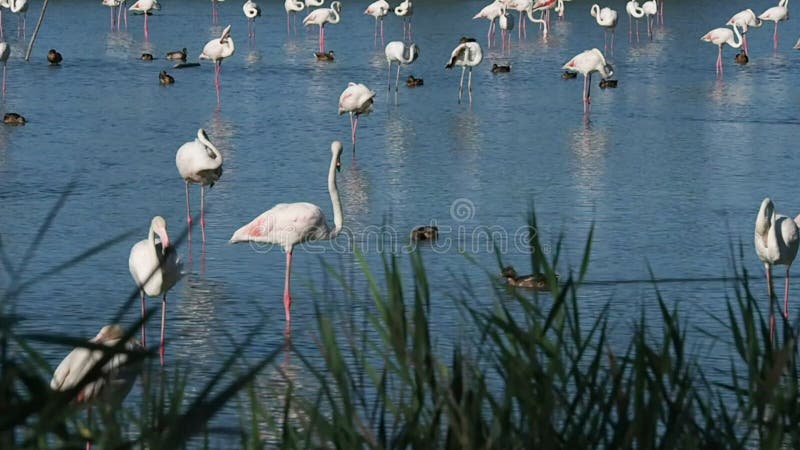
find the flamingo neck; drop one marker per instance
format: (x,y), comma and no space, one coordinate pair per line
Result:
(338,218)
(738,38)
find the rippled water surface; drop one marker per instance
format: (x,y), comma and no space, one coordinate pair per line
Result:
(670,166)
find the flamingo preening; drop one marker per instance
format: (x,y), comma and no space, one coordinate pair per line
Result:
(145,7)
(356,99)
(776,14)
(650,9)
(467,54)
(199,162)
(322,16)
(292,7)
(720,37)
(216,50)
(606,18)
(586,63)
(400,53)
(251,11)
(405,10)
(289,224)
(745,20)
(776,242)
(634,12)
(378,9)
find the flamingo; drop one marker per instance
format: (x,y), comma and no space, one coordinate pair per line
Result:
(744,20)
(586,63)
(155,268)
(776,14)
(322,16)
(116,377)
(650,9)
(356,99)
(5,51)
(199,162)
(521,6)
(20,7)
(289,224)
(541,21)
(721,36)
(397,51)
(378,10)
(405,10)
(545,6)
(490,12)
(313,3)
(216,50)
(144,7)
(634,12)
(113,5)
(215,11)
(776,242)
(251,11)
(292,7)
(606,18)
(466,54)
(506,22)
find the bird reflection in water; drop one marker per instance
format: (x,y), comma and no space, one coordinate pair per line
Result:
(198,318)
(589,147)
(253,57)
(119,45)
(355,197)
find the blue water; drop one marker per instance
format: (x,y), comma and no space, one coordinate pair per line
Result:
(670,167)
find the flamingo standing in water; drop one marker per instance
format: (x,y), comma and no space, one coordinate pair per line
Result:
(776,14)
(145,7)
(5,51)
(490,12)
(199,162)
(397,51)
(289,224)
(323,16)
(606,18)
(20,7)
(720,37)
(292,7)
(745,20)
(405,10)
(251,11)
(506,22)
(215,11)
(586,63)
(155,268)
(378,9)
(521,6)
(467,54)
(112,5)
(216,50)
(776,241)
(313,3)
(634,12)
(356,99)
(650,9)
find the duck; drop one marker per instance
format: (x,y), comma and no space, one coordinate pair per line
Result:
(567,75)
(608,83)
(465,39)
(165,78)
(324,56)
(501,69)
(177,55)
(741,58)
(13,118)
(54,57)
(412,82)
(536,281)
(425,233)
(146,57)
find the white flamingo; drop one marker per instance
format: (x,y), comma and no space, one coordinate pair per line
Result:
(745,20)
(467,54)
(216,50)
(251,11)
(776,14)
(542,21)
(405,10)
(145,7)
(289,224)
(586,63)
(650,9)
(400,53)
(292,7)
(606,18)
(720,37)
(378,9)
(490,12)
(322,16)
(313,4)
(155,268)
(356,99)
(522,7)
(20,7)
(634,12)
(199,162)
(776,242)
(506,22)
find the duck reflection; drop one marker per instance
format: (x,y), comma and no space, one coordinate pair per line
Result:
(589,147)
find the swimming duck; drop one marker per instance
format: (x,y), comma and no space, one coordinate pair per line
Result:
(607,83)
(13,119)
(146,57)
(412,82)
(536,281)
(500,69)
(165,78)
(324,56)
(425,233)
(54,57)
(741,58)
(567,75)
(177,55)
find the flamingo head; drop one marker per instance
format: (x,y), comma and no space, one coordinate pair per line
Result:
(336,6)
(336,149)
(109,333)
(226,33)
(159,227)
(609,71)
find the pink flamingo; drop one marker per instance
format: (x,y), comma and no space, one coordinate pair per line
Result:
(720,37)
(378,9)
(5,51)
(292,7)
(467,54)
(399,52)
(634,12)
(356,99)
(744,20)
(20,7)
(216,50)
(322,16)
(606,18)
(289,224)
(113,5)
(405,10)
(215,11)
(155,267)
(145,7)
(199,162)
(490,12)
(586,63)
(776,14)
(776,241)
(521,6)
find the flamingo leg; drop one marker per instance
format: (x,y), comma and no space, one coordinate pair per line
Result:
(461,83)
(585,84)
(469,85)
(144,328)
(397,79)
(786,295)
(217,70)
(355,128)
(744,43)
(382,41)
(4,79)
(112,18)
(288,26)
(145,26)
(637,30)
(287,296)
(188,210)
(775,37)
(322,39)
(203,211)
(1,23)
(389,77)
(719,62)
(410,37)
(630,28)
(612,40)
(352,129)
(163,326)
(768,270)
(375,33)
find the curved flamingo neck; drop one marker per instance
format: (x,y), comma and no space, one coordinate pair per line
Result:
(738,37)
(338,218)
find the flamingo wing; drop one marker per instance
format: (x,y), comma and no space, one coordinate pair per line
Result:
(285,224)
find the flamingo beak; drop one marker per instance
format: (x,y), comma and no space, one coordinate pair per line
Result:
(164,237)
(610,70)
(338,165)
